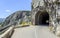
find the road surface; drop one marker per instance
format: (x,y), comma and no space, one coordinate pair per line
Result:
(33,32)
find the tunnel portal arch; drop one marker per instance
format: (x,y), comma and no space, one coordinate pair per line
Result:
(42,18)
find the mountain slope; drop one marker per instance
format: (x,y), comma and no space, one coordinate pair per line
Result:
(2,19)
(15,17)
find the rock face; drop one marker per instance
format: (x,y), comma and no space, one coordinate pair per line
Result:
(15,17)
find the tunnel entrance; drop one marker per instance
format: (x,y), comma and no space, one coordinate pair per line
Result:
(42,18)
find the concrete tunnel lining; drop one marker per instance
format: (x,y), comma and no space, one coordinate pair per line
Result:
(41,18)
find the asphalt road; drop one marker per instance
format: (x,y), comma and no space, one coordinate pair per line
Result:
(33,32)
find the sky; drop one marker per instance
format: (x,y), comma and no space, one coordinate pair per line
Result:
(7,7)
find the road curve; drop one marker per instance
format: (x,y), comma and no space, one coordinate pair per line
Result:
(33,32)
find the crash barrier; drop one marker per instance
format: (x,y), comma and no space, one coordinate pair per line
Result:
(19,26)
(3,29)
(7,33)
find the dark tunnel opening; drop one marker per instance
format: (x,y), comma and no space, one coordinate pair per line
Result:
(42,19)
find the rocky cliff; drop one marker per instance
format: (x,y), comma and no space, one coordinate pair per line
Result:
(15,17)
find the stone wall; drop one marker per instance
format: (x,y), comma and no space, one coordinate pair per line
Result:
(52,7)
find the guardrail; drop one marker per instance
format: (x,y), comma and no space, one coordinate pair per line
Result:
(3,29)
(8,33)
(19,26)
